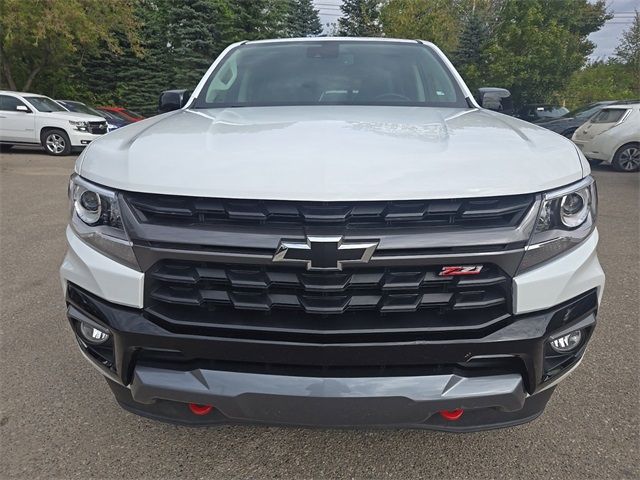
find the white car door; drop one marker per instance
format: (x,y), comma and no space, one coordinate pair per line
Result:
(17,121)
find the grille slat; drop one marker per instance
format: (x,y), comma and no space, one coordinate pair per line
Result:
(491,212)
(264,278)
(377,290)
(97,128)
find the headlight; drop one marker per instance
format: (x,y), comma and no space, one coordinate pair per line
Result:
(82,126)
(567,217)
(96,219)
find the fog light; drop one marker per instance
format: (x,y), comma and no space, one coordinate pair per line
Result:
(92,334)
(568,342)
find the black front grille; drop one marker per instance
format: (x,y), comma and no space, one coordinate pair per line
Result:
(476,212)
(352,305)
(98,128)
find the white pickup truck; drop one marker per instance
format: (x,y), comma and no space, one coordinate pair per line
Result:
(333,232)
(31,119)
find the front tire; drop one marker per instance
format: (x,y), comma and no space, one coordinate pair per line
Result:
(627,158)
(4,148)
(56,142)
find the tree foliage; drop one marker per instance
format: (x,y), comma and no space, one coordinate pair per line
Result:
(303,20)
(539,44)
(360,18)
(127,51)
(609,80)
(432,20)
(180,40)
(40,38)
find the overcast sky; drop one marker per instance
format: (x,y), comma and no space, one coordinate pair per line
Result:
(606,39)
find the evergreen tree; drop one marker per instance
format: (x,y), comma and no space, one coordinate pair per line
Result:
(628,51)
(473,38)
(360,18)
(304,20)
(132,78)
(259,19)
(197,31)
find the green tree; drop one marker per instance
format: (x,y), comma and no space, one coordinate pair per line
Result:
(601,81)
(197,31)
(304,20)
(127,77)
(478,22)
(433,20)
(259,19)
(616,79)
(44,38)
(628,51)
(538,45)
(360,18)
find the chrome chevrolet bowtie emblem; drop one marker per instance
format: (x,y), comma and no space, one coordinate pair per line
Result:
(324,253)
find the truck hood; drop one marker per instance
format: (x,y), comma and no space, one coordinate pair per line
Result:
(331,153)
(74,116)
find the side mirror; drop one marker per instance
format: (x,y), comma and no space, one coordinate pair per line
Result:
(22,108)
(497,99)
(173,100)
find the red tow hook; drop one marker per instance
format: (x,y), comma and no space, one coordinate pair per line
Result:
(200,409)
(452,415)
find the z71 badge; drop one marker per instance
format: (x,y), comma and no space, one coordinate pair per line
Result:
(461,270)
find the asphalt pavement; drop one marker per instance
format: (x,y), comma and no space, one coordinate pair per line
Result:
(58,418)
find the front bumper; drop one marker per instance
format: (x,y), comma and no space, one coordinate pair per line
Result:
(338,402)
(499,380)
(592,150)
(502,378)
(82,139)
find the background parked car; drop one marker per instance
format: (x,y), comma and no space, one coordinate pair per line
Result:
(123,113)
(612,136)
(31,119)
(113,121)
(568,123)
(537,112)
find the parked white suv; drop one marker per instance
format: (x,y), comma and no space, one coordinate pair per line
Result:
(333,232)
(612,136)
(31,119)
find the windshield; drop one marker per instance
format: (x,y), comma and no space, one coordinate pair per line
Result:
(132,114)
(550,111)
(586,111)
(45,104)
(331,73)
(82,108)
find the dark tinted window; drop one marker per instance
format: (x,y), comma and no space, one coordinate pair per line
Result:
(79,107)
(9,104)
(333,73)
(609,115)
(45,104)
(550,111)
(586,111)
(131,113)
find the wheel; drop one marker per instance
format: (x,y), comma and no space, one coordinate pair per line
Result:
(56,142)
(627,158)
(4,148)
